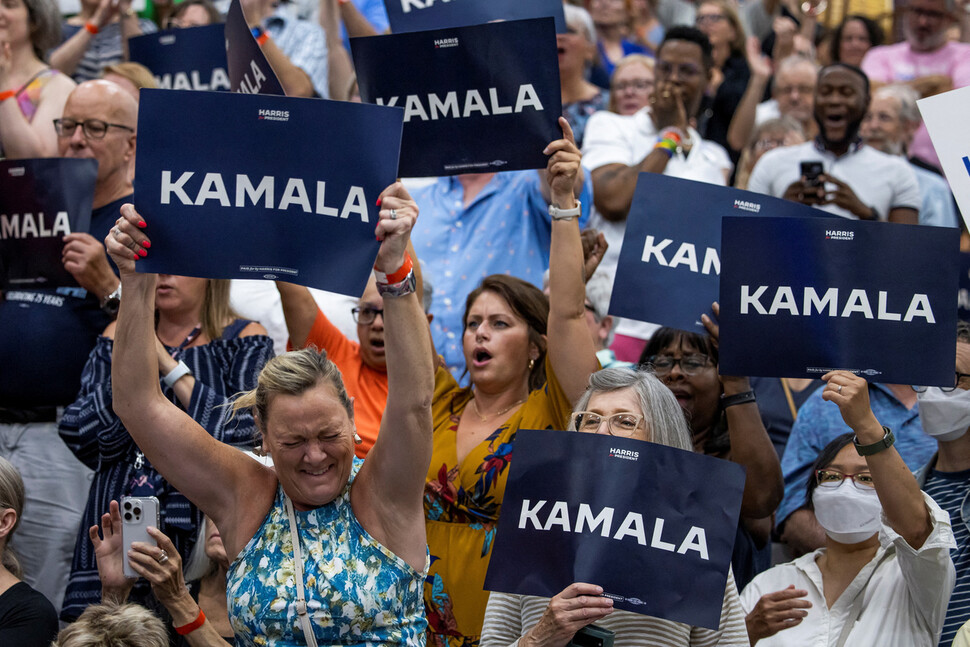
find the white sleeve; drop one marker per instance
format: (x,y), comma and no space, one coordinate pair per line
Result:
(760,180)
(928,571)
(605,141)
(906,189)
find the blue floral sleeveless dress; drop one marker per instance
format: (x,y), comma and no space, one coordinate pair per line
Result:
(358,592)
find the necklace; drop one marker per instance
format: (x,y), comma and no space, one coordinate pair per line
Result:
(503,411)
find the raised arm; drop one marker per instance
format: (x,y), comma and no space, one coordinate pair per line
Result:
(300,311)
(900,496)
(614,184)
(177,446)
(571,352)
(743,121)
(388,493)
(750,444)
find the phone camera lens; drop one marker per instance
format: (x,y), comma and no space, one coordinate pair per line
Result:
(137,511)
(127,516)
(127,505)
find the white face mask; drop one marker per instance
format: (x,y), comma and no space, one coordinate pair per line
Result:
(945,416)
(848,514)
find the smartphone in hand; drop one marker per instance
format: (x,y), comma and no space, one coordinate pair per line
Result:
(137,513)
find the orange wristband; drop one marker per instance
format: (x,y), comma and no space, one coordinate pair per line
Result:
(262,38)
(7,94)
(91,28)
(185,630)
(398,276)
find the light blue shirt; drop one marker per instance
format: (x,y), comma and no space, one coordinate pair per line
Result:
(505,230)
(937,208)
(304,43)
(819,422)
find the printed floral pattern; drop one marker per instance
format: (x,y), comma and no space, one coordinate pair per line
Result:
(358,592)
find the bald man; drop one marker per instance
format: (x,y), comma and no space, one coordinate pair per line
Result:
(46,336)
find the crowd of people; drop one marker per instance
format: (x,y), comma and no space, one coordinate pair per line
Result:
(331,469)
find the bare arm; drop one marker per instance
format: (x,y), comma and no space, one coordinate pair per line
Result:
(900,496)
(355,22)
(300,311)
(904,215)
(69,53)
(743,121)
(177,446)
(23,139)
(570,346)
(340,69)
(388,493)
(614,184)
(130,27)
(295,82)
(750,445)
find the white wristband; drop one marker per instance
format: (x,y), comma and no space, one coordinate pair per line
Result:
(176,374)
(565,214)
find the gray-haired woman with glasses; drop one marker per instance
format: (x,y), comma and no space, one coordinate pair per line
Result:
(885,574)
(633,404)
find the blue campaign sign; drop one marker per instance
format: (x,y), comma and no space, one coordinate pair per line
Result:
(422,15)
(193,58)
(41,201)
(670,260)
(476,99)
(249,71)
(868,297)
(654,526)
(963,311)
(274,188)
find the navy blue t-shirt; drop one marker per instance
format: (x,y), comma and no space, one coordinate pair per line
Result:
(47,335)
(949,489)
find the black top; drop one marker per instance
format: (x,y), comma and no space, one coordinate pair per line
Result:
(27,618)
(717,111)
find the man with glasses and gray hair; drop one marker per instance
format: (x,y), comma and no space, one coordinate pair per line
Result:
(47,336)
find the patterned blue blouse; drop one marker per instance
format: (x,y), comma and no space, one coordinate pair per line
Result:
(358,592)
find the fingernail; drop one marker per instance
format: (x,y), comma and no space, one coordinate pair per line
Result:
(545,151)
(143,252)
(146,244)
(142,224)
(378,202)
(135,257)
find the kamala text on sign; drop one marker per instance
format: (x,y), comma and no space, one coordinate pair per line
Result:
(193,58)
(472,104)
(422,15)
(867,297)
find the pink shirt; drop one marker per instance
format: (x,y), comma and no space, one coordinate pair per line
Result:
(899,64)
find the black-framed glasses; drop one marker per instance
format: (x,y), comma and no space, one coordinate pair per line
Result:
(619,424)
(93,128)
(829,477)
(365,315)
(689,364)
(946,389)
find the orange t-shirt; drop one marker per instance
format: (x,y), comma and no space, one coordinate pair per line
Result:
(366,385)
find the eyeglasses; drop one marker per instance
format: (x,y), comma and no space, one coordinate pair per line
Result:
(929,14)
(684,70)
(945,389)
(633,84)
(619,424)
(804,90)
(689,364)
(768,144)
(710,17)
(833,478)
(93,128)
(365,315)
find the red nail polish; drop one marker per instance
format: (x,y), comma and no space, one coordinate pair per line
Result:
(142,224)
(378,202)
(146,244)
(143,252)
(135,257)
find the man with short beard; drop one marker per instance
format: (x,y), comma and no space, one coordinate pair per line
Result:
(889,126)
(926,61)
(857,181)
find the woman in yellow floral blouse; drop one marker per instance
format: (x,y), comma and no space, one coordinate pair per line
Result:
(528,360)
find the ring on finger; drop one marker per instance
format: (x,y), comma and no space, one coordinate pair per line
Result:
(840,390)
(393,214)
(115,232)
(162,558)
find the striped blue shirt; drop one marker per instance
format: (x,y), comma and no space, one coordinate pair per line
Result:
(949,489)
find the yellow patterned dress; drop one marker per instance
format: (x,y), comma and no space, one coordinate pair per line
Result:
(462,505)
